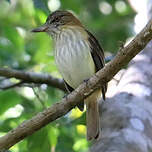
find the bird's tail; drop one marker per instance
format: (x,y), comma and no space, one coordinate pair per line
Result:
(92,115)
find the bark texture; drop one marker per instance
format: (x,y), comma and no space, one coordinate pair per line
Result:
(32,77)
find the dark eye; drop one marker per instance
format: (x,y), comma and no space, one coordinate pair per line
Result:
(57,19)
(54,20)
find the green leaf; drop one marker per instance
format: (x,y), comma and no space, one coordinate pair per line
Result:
(38,142)
(53,134)
(8,99)
(80,145)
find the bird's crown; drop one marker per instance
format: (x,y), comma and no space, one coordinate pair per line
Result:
(62,18)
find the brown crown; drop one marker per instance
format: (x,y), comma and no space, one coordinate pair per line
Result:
(64,17)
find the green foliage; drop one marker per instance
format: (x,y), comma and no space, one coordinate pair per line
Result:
(21,49)
(39,141)
(7,96)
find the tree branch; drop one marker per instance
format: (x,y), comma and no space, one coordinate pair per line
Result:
(29,77)
(59,109)
(11,85)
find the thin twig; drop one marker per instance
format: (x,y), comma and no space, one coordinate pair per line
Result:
(39,98)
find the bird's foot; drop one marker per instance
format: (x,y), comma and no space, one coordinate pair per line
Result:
(86,80)
(65,96)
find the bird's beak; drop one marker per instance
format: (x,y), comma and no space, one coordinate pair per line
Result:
(42,28)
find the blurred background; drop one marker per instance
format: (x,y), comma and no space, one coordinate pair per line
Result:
(110,21)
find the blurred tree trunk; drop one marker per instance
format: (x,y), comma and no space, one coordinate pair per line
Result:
(127,116)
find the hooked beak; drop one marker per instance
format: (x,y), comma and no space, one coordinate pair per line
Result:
(42,28)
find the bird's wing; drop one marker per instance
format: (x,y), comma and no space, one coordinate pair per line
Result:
(70,89)
(98,57)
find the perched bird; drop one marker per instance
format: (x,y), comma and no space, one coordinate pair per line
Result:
(78,56)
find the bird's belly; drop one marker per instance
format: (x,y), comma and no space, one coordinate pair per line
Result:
(75,65)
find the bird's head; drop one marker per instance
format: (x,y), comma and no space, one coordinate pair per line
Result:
(57,21)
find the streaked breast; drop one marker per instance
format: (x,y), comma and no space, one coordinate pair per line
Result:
(73,57)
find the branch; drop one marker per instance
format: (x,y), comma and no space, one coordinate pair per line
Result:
(29,77)
(11,85)
(59,109)
(39,98)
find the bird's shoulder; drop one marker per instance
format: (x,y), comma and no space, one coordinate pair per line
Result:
(96,51)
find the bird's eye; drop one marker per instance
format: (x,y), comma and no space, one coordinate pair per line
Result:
(57,19)
(54,20)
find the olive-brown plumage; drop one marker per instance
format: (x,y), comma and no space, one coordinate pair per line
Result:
(78,56)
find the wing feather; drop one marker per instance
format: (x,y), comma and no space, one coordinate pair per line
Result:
(98,57)
(70,89)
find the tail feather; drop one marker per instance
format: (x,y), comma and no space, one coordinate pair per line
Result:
(92,115)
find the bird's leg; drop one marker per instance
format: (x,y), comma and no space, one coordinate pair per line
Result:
(65,95)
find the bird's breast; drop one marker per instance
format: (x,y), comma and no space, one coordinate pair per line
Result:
(73,58)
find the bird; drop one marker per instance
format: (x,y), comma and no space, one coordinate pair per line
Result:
(78,56)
